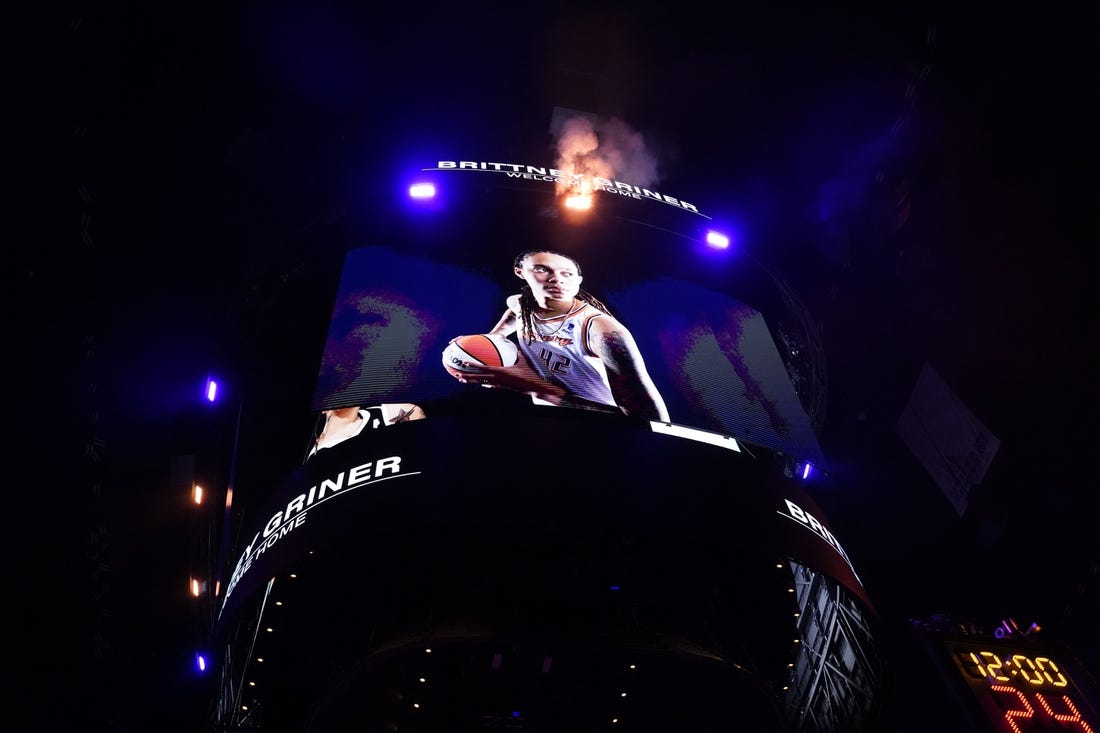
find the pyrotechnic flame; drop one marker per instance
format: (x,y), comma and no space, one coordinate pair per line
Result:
(579,202)
(579,195)
(589,148)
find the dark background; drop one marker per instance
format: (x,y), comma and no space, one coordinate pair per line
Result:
(923,179)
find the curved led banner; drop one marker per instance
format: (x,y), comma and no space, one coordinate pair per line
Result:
(594,473)
(567,180)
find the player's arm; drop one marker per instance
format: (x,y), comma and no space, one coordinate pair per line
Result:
(520,377)
(508,322)
(630,382)
(506,325)
(396,412)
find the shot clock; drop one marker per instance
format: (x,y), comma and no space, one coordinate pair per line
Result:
(1025,688)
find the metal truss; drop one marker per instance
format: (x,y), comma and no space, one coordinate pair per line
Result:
(837,669)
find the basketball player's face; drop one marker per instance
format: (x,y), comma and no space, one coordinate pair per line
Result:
(551,276)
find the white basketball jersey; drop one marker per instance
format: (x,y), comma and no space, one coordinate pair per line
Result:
(562,355)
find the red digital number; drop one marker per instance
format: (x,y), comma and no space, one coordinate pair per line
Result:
(1070,720)
(1074,716)
(1011,714)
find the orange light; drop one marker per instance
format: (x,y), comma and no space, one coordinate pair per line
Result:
(196,494)
(579,202)
(1042,663)
(978,664)
(196,587)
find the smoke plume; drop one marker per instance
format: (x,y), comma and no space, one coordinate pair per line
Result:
(600,147)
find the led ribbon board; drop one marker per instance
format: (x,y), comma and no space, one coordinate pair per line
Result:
(553,175)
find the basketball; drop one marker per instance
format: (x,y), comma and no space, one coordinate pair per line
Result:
(478,348)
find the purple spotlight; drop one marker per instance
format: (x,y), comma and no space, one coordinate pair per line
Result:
(200,662)
(421,191)
(717,240)
(806,471)
(211,390)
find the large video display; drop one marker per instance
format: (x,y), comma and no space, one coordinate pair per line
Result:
(613,309)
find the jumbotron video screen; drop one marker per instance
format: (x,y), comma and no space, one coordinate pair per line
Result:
(651,322)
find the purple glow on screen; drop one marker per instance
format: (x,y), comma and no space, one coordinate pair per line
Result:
(211,390)
(806,471)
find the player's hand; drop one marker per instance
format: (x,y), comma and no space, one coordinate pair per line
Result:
(520,377)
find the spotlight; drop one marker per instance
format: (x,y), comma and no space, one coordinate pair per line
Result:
(422,191)
(717,240)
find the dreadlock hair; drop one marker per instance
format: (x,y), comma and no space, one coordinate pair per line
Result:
(528,304)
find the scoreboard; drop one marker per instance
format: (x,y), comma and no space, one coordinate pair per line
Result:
(1016,684)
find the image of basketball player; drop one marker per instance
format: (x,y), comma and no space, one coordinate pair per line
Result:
(573,352)
(343,423)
